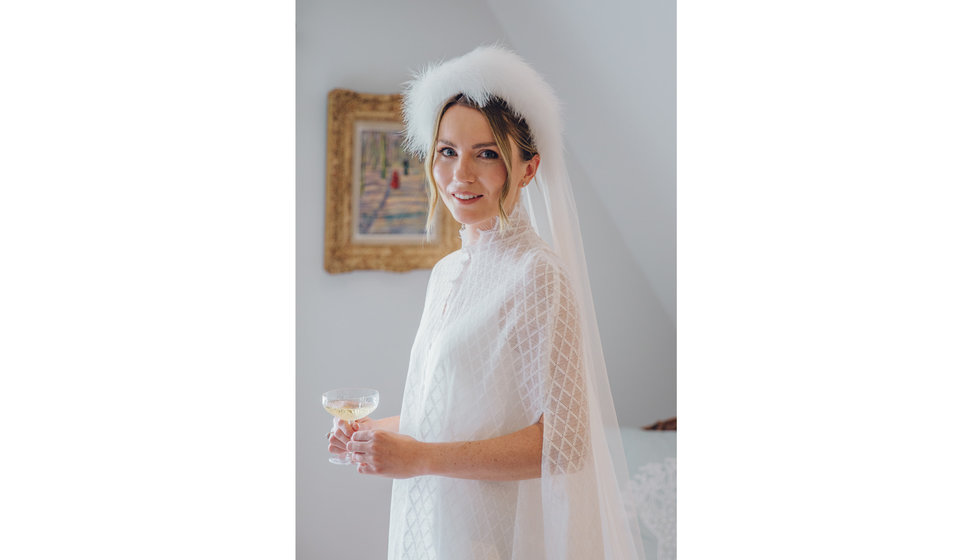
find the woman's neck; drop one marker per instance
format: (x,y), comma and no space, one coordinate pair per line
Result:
(472,234)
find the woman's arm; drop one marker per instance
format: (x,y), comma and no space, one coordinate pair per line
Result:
(515,456)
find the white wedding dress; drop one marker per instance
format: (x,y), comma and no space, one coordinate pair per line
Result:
(498,347)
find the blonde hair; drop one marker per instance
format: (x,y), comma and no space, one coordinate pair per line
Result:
(504,124)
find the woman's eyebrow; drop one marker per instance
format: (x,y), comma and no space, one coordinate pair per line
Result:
(473,147)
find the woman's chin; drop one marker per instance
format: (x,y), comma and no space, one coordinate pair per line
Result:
(467,218)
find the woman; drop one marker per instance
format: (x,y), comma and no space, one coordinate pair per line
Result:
(507,441)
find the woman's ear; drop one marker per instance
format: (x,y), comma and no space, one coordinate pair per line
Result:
(530,169)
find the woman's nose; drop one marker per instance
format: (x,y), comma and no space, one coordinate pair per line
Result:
(463,173)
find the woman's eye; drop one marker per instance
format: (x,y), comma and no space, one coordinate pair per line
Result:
(489,154)
(448,152)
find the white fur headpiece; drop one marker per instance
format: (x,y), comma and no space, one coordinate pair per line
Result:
(483,72)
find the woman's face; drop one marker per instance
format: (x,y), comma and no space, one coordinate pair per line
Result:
(469,168)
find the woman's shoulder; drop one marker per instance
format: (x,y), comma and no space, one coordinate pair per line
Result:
(541,256)
(543,267)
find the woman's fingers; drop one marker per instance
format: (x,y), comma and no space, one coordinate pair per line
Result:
(344,427)
(362,447)
(342,431)
(338,442)
(360,441)
(340,434)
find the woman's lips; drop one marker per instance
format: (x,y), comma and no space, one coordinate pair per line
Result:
(466,197)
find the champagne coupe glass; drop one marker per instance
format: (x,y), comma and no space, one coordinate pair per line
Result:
(349,404)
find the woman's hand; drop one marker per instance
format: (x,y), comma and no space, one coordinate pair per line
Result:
(340,434)
(386,453)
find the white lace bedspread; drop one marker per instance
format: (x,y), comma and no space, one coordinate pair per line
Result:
(652,460)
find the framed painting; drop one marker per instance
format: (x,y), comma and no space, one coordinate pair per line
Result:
(376,197)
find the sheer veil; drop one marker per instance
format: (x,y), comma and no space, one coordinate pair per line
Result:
(496,71)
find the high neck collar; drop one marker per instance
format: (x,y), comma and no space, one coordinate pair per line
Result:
(519,222)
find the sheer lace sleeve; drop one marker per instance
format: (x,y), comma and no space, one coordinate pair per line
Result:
(572,527)
(552,359)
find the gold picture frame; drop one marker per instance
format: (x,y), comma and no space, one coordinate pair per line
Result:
(376,202)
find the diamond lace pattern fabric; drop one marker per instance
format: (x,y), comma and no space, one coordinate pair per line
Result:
(497,349)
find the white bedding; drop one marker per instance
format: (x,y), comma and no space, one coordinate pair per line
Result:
(652,460)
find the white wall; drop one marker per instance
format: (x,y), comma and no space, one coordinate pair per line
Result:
(357,328)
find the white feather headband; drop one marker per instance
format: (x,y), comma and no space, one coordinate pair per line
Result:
(483,72)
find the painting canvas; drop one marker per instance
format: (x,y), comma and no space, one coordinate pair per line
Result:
(390,198)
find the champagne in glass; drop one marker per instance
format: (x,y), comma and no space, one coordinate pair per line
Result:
(349,405)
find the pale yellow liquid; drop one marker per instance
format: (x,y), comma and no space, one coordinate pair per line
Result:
(350,410)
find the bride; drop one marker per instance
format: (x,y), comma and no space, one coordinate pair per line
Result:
(507,445)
